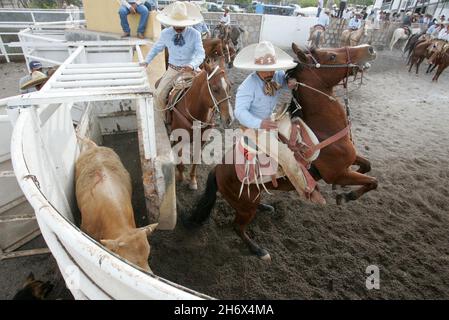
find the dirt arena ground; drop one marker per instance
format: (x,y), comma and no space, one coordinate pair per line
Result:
(400,125)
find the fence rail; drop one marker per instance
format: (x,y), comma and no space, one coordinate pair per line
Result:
(12,21)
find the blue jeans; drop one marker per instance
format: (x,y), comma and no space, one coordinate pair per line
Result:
(142,10)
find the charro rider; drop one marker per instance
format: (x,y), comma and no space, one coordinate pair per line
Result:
(256,100)
(355,23)
(225,24)
(184,44)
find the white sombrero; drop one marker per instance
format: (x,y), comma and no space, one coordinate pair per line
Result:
(263,57)
(37,78)
(180,14)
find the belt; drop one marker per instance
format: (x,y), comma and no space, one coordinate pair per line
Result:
(177,68)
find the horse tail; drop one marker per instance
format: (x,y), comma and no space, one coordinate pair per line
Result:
(205,204)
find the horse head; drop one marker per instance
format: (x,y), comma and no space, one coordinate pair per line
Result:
(325,68)
(220,91)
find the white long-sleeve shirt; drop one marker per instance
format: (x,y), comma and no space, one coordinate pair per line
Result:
(128,3)
(323,20)
(226,20)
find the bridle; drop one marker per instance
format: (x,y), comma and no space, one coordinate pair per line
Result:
(348,65)
(215,103)
(317,65)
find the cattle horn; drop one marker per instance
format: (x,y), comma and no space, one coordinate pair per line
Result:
(149,229)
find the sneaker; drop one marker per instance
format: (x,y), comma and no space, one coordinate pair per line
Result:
(125,35)
(140,36)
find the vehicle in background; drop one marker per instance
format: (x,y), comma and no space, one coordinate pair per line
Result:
(213,7)
(235,8)
(307,12)
(262,8)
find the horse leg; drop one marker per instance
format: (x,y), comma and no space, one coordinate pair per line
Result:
(363,163)
(193,183)
(352,178)
(412,62)
(180,172)
(420,60)
(242,220)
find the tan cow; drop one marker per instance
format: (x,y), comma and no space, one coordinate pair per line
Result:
(103,193)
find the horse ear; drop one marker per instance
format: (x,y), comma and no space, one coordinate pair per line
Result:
(29,279)
(299,53)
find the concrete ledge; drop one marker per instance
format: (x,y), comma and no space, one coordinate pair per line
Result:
(102,16)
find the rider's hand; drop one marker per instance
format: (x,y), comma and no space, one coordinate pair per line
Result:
(187,68)
(133,8)
(268,124)
(292,83)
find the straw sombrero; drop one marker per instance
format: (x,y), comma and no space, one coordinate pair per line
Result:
(180,14)
(37,78)
(263,57)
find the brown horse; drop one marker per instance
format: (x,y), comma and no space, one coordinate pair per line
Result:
(441,60)
(325,117)
(352,38)
(419,53)
(316,38)
(209,94)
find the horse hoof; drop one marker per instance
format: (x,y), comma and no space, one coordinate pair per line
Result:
(266,208)
(193,186)
(266,256)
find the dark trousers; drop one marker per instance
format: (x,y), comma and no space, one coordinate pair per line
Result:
(341,9)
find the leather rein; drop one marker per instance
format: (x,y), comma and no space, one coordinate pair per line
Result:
(189,119)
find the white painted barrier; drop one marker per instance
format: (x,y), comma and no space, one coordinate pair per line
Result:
(282,30)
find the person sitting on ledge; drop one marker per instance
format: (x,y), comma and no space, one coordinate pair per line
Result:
(133,7)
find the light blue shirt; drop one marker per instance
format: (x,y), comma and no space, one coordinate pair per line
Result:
(190,54)
(323,20)
(252,105)
(355,24)
(201,27)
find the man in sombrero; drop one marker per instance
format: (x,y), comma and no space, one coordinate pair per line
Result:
(256,101)
(184,44)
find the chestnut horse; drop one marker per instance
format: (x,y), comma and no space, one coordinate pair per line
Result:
(209,94)
(318,73)
(419,53)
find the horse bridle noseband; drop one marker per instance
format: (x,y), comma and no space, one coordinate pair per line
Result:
(215,102)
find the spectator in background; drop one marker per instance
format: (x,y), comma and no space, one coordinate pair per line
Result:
(320,7)
(407,21)
(323,19)
(33,81)
(355,23)
(342,8)
(364,13)
(151,5)
(225,24)
(347,14)
(330,5)
(203,29)
(133,7)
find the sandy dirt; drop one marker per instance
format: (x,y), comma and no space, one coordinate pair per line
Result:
(400,125)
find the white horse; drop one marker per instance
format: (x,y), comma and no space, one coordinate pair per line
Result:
(399,34)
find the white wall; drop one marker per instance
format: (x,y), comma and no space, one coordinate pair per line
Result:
(283,30)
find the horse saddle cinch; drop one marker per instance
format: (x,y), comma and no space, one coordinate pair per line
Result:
(253,166)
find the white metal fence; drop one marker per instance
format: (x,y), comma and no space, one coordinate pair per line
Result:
(12,21)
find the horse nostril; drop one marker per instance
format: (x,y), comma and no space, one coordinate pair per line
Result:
(371,50)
